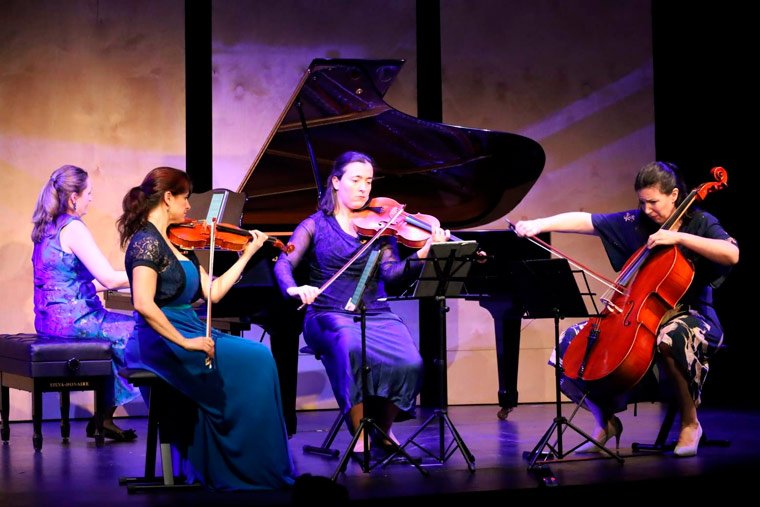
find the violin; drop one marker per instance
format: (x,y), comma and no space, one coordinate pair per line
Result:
(192,234)
(411,230)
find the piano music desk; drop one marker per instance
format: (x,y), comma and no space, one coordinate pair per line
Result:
(117,300)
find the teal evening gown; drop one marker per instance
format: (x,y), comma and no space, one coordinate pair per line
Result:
(232,432)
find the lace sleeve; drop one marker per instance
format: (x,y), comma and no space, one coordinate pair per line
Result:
(145,250)
(286,265)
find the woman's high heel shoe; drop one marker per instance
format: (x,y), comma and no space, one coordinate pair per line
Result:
(683,449)
(614,429)
(116,434)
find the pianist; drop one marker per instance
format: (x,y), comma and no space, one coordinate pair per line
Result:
(325,241)
(69,269)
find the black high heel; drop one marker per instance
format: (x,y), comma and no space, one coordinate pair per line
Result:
(115,434)
(91,427)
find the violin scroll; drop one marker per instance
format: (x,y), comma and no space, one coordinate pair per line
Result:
(286,249)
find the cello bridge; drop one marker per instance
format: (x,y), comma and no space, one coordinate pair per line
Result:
(611,306)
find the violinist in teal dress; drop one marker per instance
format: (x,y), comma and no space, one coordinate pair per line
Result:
(69,270)
(231,432)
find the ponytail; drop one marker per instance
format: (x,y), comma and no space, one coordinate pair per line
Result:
(53,199)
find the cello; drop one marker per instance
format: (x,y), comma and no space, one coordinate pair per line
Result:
(615,349)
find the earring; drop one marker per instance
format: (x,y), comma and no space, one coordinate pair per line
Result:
(75,206)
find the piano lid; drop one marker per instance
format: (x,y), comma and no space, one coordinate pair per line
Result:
(465,177)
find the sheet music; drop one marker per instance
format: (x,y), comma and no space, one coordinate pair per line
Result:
(216,206)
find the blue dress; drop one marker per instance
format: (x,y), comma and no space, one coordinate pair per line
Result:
(66,304)
(232,433)
(395,364)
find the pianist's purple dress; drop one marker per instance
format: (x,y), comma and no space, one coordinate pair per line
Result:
(394,362)
(66,304)
(230,431)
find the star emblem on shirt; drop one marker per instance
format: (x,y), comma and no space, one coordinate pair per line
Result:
(628,217)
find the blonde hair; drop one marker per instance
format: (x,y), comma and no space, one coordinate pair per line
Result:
(54,198)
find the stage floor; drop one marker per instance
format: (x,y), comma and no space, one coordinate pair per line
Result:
(78,473)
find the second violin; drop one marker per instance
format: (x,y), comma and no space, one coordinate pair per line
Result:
(197,234)
(411,230)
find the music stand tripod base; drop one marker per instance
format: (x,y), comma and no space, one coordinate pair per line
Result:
(443,275)
(549,290)
(445,451)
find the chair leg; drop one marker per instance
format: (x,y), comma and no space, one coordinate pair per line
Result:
(151,482)
(37,418)
(65,402)
(166,464)
(5,412)
(150,453)
(661,444)
(100,407)
(151,440)
(325,449)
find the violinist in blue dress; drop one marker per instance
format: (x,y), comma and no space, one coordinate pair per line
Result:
(232,434)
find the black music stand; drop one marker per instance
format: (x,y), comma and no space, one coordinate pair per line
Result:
(443,275)
(366,423)
(549,290)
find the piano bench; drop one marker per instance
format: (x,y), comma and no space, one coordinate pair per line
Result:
(38,364)
(324,449)
(160,419)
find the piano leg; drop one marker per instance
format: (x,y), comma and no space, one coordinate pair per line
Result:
(285,352)
(507,335)
(284,332)
(430,339)
(507,358)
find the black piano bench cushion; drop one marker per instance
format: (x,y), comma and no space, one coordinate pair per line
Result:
(38,364)
(32,355)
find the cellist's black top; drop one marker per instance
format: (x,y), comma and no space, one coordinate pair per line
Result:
(623,233)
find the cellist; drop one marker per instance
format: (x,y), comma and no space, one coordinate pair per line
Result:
(690,333)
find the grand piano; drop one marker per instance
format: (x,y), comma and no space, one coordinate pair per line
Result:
(466,177)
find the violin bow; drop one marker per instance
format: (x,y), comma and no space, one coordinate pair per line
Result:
(212,244)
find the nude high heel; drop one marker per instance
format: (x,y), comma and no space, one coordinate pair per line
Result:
(690,449)
(614,429)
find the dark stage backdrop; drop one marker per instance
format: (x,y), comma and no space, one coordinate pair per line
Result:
(705,106)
